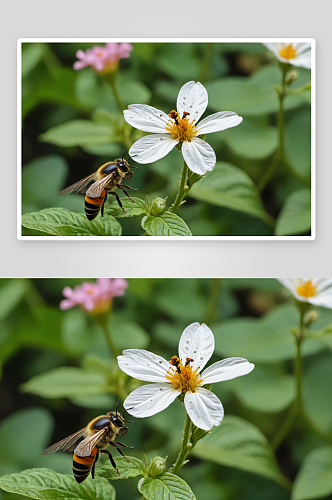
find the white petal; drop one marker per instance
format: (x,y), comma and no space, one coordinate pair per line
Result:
(150,399)
(151,148)
(303,60)
(144,365)
(273,47)
(323,284)
(323,299)
(199,156)
(289,283)
(204,408)
(146,118)
(302,47)
(192,98)
(218,121)
(227,369)
(196,342)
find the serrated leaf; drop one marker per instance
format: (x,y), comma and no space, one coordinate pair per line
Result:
(237,443)
(167,487)
(228,186)
(78,133)
(314,479)
(295,215)
(62,222)
(133,468)
(65,382)
(132,208)
(44,484)
(167,224)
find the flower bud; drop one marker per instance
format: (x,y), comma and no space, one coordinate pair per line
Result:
(292,76)
(158,207)
(310,317)
(157,467)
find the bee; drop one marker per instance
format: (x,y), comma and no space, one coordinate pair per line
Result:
(102,183)
(99,433)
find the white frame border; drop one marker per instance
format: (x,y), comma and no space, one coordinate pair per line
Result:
(167,238)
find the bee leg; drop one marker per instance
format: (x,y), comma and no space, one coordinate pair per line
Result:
(120,451)
(128,175)
(124,445)
(118,200)
(125,192)
(111,459)
(128,187)
(102,207)
(94,465)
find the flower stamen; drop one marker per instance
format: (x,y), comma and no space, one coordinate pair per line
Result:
(288,52)
(180,129)
(307,289)
(184,377)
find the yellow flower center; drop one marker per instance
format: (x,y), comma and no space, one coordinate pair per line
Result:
(183,377)
(180,129)
(307,289)
(288,52)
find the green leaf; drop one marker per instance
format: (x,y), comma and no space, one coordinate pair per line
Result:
(167,224)
(66,381)
(32,54)
(254,95)
(314,479)
(167,487)
(44,484)
(78,133)
(129,335)
(317,399)
(137,207)
(62,222)
(298,142)
(133,468)
(11,294)
(237,443)
(132,91)
(264,340)
(228,186)
(267,389)
(253,139)
(42,179)
(295,215)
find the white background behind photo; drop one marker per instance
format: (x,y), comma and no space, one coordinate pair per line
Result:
(175,18)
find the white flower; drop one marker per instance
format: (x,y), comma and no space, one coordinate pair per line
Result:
(181,375)
(297,54)
(316,291)
(179,127)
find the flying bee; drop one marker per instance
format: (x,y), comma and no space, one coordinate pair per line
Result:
(99,433)
(102,183)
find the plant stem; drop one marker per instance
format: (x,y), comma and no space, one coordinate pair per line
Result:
(183,188)
(110,79)
(206,62)
(212,303)
(186,446)
(109,339)
(285,428)
(298,366)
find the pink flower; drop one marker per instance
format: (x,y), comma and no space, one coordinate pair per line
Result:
(94,298)
(103,59)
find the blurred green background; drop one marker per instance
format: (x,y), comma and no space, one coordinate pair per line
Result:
(71,126)
(56,375)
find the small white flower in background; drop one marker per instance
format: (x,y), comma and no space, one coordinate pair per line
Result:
(179,127)
(316,291)
(296,54)
(181,375)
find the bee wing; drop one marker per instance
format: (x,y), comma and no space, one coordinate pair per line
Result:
(86,446)
(95,190)
(66,443)
(79,187)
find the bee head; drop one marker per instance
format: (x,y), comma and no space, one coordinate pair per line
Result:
(118,420)
(123,164)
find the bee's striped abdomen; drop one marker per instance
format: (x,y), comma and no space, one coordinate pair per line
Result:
(83,465)
(93,205)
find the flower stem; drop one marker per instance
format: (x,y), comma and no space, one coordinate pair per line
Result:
(110,79)
(186,446)
(183,188)
(109,339)
(206,62)
(212,303)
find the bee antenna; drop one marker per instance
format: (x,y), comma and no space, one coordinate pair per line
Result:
(116,409)
(123,153)
(125,411)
